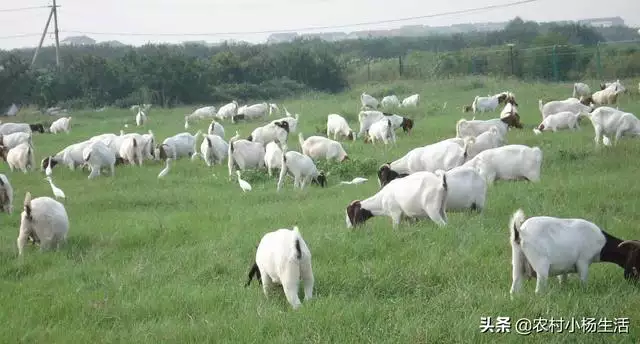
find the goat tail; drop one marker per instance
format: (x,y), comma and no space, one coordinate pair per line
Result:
(442,194)
(515,223)
(230,160)
(468,142)
(297,251)
(254,272)
(540,106)
(458,125)
(30,157)
(27,205)
(283,168)
(575,90)
(208,141)
(301,140)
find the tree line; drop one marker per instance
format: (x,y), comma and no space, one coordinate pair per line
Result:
(170,75)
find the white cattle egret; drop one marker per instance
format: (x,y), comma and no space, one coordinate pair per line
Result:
(243,184)
(57,192)
(48,171)
(606,141)
(356,180)
(126,125)
(186,123)
(166,168)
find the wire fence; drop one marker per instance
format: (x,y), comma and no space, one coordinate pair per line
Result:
(557,63)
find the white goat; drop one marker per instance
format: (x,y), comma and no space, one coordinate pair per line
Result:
(487,140)
(488,103)
(62,124)
(177,146)
(368,101)
(141,118)
(228,111)
(545,246)
(98,155)
(202,113)
(318,147)
(272,157)
(254,111)
(443,155)
(275,131)
(411,101)
(6,195)
(367,118)
(283,257)
(419,195)
(337,125)
(131,149)
(15,139)
(10,128)
(301,167)
(581,90)
(45,220)
(71,156)
(382,130)
(608,121)
(245,154)
(19,157)
(291,120)
(510,162)
(390,102)
(555,106)
(559,121)
(216,128)
(608,96)
(148,145)
(476,127)
(213,149)
(467,189)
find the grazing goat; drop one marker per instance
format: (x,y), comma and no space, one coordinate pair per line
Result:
(38,127)
(571,104)
(368,102)
(71,156)
(228,111)
(510,162)
(244,154)
(545,246)
(45,220)
(301,167)
(284,258)
(254,112)
(488,103)
(318,147)
(581,90)
(10,128)
(62,124)
(487,140)
(443,155)
(608,96)
(201,113)
(337,125)
(411,101)
(213,149)
(148,146)
(15,139)
(131,149)
(400,122)
(141,118)
(276,131)
(176,146)
(560,120)
(390,102)
(291,120)
(19,157)
(98,155)
(6,195)
(272,157)
(467,189)
(476,127)
(381,130)
(367,118)
(418,195)
(608,121)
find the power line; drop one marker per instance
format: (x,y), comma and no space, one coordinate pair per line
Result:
(20,35)
(471,10)
(22,8)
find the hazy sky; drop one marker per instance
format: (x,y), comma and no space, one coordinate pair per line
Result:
(115,18)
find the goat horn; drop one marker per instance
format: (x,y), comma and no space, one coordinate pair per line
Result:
(630,242)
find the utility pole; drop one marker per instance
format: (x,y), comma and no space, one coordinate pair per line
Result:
(54,14)
(54,9)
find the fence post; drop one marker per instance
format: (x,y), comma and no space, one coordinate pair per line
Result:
(598,65)
(555,63)
(369,69)
(400,67)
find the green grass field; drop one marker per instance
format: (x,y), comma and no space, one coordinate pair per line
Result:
(151,261)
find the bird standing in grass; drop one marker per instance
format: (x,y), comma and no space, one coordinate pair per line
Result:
(166,168)
(48,170)
(57,192)
(186,123)
(243,184)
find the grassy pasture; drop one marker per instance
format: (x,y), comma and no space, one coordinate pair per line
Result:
(151,261)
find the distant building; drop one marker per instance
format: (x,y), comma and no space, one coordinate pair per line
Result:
(603,22)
